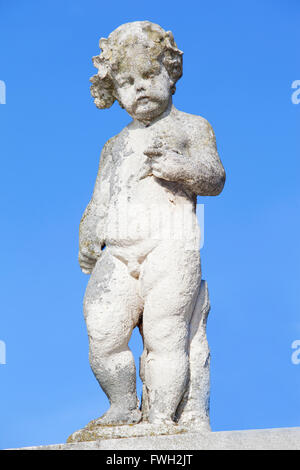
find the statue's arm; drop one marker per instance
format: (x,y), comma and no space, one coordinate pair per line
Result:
(204,174)
(199,170)
(91,229)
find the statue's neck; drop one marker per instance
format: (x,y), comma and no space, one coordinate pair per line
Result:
(150,122)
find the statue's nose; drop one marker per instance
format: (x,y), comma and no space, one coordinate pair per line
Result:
(140,86)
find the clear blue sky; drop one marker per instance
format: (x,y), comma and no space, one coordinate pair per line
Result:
(240,59)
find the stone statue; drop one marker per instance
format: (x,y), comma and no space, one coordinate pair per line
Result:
(140,239)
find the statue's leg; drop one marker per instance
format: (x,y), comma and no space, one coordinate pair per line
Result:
(170,281)
(194,407)
(112,307)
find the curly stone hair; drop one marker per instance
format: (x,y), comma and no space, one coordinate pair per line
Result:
(155,40)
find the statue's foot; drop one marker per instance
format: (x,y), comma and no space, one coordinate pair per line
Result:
(161,421)
(115,416)
(199,423)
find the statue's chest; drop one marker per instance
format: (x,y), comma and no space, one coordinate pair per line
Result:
(131,165)
(162,134)
(131,161)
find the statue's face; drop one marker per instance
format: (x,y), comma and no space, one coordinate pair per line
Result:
(143,87)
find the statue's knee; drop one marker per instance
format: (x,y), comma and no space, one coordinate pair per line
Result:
(105,339)
(161,343)
(101,347)
(165,334)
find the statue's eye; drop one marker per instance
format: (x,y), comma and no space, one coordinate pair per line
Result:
(128,81)
(149,74)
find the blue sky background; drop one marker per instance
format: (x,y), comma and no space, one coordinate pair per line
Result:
(240,59)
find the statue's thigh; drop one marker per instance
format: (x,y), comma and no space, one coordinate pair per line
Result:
(170,282)
(112,305)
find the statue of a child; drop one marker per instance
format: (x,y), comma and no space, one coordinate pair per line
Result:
(155,167)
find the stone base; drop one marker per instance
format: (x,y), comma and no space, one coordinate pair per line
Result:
(261,439)
(94,432)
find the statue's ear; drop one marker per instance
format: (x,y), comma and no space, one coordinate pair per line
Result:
(102,43)
(96,61)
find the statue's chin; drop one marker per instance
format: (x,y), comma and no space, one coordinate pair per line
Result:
(149,113)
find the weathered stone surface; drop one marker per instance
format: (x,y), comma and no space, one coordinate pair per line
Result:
(93,432)
(143,212)
(260,439)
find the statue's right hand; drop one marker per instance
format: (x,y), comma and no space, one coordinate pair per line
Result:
(86,261)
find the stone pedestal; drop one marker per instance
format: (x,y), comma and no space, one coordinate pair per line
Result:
(256,439)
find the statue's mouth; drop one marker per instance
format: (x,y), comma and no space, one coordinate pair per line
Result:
(143,99)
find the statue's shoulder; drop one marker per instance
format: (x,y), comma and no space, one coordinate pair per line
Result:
(109,145)
(106,156)
(115,143)
(193,122)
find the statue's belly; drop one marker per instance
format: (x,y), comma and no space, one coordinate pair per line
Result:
(148,214)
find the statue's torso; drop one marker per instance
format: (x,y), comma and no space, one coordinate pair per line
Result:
(144,209)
